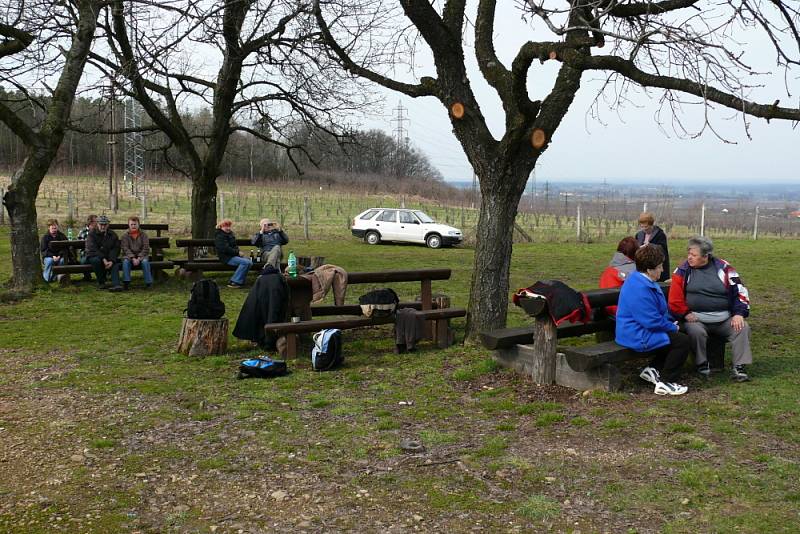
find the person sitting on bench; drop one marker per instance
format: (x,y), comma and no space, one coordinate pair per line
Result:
(102,252)
(135,251)
(644,325)
(270,239)
(91,224)
(228,252)
(51,257)
(709,296)
(620,267)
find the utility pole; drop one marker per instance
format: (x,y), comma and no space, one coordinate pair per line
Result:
(113,185)
(546,195)
(474,189)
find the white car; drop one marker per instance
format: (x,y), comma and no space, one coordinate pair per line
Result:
(409,226)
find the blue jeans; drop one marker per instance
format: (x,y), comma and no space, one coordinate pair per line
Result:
(47,272)
(100,270)
(242,266)
(127,264)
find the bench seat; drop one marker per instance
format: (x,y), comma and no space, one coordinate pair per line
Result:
(87,268)
(505,338)
(591,356)
(440,317)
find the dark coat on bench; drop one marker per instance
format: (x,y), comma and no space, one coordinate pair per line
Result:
(267,302)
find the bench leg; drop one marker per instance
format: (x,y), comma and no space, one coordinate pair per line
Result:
(291,346)
(160,275)
(63,280)
(442,333)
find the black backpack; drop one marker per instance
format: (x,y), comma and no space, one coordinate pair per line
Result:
(378,302)
(264,367)
(204,302)
(327,351)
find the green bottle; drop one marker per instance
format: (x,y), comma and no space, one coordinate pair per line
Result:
(291,267)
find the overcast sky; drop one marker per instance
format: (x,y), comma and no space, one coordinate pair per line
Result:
(630,146)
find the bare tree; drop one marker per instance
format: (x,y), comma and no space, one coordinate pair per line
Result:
(42,41)
(683,48)
(251,63)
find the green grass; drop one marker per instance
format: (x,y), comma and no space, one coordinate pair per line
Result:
(95,375)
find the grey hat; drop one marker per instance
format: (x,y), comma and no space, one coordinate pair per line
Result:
(103,220)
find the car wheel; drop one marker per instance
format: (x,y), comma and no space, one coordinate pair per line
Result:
(434,241)
(372,238)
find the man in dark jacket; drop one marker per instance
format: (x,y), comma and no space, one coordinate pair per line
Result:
(269,240)
(102,252)
(51,256)
(228,252)
(650,234)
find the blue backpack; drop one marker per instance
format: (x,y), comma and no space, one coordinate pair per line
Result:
(327,351)
(264,367)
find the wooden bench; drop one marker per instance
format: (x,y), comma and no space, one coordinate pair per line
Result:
(440,318)
(147,227)
(437,319)
(534,350)
(157,263)
(194,266)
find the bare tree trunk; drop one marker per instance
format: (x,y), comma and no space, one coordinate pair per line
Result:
(20,201)
(489,295)
(204,208)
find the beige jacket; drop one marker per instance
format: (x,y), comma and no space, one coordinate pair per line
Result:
(326,276)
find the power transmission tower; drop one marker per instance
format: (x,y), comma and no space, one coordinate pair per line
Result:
(401,139)
(134,151)
(400,130)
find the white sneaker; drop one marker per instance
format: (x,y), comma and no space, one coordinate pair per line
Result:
(650,374)
(669,388)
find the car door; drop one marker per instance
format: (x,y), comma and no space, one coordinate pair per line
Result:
(410,227)
(387,225)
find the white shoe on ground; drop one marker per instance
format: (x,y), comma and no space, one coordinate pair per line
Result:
(669,388)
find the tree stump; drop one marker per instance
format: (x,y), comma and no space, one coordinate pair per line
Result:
(203,337)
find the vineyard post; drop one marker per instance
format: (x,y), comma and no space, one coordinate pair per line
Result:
(703,219)
(578,223)
(755,226)
(305,217)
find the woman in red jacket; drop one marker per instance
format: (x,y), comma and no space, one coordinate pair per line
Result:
(619,268)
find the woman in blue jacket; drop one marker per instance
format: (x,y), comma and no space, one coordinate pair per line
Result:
(644,324)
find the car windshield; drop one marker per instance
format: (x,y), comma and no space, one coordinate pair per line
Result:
(423,217)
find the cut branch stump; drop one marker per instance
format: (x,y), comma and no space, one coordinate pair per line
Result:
(203,337)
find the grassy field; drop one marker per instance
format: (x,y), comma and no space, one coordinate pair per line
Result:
(105,428)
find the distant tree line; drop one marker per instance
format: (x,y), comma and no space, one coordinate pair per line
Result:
(362,156)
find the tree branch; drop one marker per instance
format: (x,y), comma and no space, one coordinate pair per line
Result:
(706,92)
(427,87)
(16,40)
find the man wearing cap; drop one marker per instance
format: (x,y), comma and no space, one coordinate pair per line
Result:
(102,252)
(270,239)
